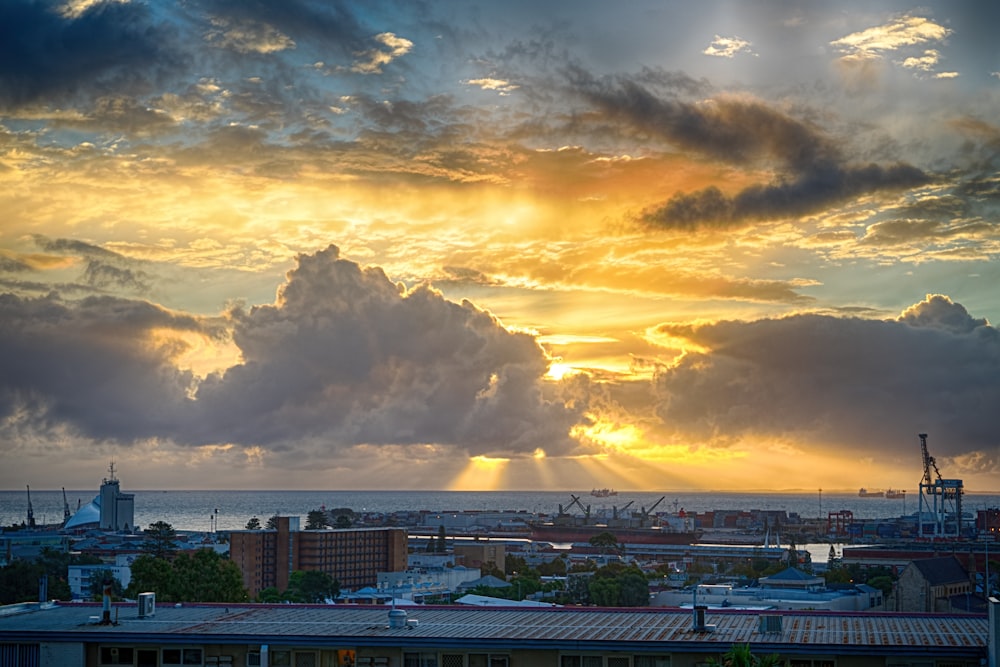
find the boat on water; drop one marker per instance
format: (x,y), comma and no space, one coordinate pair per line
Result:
(635,527)
(870,493)
(603,493)
(895,494)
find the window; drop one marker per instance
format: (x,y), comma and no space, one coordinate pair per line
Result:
(420,660)
(117,655)
(581,661)
(180,656)
(651,661)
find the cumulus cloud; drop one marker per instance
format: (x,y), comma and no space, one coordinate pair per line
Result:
(344,357)
(728,47)
(900,32)
(858,384)
(248,36)
(501,86)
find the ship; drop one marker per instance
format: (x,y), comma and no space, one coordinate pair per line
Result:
(894,494)
(603,493)
(865,493)
(637,527)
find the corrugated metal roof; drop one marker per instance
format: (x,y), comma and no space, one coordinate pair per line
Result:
(580,628)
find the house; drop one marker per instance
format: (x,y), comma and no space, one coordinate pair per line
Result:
(927,584)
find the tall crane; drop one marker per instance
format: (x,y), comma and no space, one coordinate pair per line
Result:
(942,498)
(65,507)
(31,511)
(929,462)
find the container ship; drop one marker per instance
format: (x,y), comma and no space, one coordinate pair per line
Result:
(635,527)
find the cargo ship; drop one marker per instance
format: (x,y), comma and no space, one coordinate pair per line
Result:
(894,494)
(865,493)
(636,527)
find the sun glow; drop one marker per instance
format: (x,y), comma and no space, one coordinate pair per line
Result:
(483,473)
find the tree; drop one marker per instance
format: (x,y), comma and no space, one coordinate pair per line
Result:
(201,576)
(160,538)
(316,520)
(311,586)
(604,591)
(343,521)
(606,542)
(633,589)
(740,655)
(253,523)
(152,574)
(442,545)
(97,579)
(272,522)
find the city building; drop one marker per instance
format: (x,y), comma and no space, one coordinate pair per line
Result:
(72,635)
(352,556)
(80,577)
(481,554)
(109,510)
(928,584)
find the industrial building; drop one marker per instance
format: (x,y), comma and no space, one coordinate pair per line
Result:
(72,635)
(352,556)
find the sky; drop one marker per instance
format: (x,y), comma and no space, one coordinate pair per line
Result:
(513,245)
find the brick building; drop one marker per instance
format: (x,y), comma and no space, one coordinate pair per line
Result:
(353,557)
(927,584)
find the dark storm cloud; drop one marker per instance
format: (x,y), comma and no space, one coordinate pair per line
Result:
(48,56)
(344,353)
(344,357)
(741,132)
(86,366)
(104,269)
(12,265)
(865,385)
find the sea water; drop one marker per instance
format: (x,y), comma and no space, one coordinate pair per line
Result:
(230,510)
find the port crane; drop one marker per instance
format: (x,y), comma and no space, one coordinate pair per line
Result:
(31,511)
(66,513)
(941,498)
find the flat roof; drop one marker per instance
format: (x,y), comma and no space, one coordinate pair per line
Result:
(577,629)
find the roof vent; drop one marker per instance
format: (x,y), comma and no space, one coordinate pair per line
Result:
(699,620)
(397,619)
(770,623)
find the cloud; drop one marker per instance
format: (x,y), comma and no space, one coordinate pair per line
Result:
(901,32)
(346,353)
(502,86)
(248,36)
(343,358)
(90,366)
(371,61)
(859,385)
(51,57)
(740,131)
(728,47)
(104,269)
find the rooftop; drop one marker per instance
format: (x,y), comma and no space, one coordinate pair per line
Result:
(637,630)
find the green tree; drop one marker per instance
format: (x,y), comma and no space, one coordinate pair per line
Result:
(604,591)
(882,583)
(253,523)
(270,594)
(442,545)
(272,522)
(97,579)
(430,545)
(606,542)
(316,520)
(741,655)
(205,576)
(490,568)
(151,574)
(633,587)
(343,521)
(160,538)
(311,586)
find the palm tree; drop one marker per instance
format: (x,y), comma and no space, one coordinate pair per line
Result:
(740,655)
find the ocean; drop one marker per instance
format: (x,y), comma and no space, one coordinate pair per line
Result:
(230,510)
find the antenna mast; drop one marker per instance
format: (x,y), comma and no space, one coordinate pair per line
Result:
(31,512)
